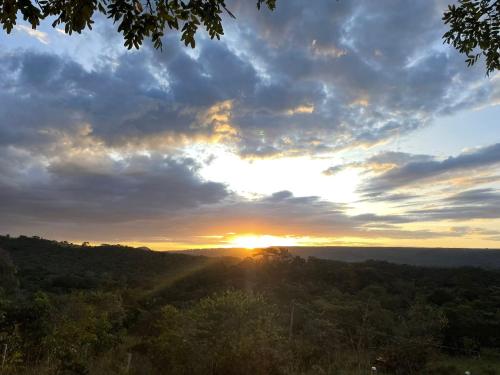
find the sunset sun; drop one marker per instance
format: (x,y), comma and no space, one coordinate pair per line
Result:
(259,241)
(249,187)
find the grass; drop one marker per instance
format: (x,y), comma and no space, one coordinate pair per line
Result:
(487,364)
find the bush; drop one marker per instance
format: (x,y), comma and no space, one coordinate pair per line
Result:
(230,333)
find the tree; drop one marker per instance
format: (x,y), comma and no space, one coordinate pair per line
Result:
(416,341)
(475,31)
(474,24)
(84,326)
(228,333)
(8,279)
(136,19)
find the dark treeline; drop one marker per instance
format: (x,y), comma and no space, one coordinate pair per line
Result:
(428,257)
(68,309)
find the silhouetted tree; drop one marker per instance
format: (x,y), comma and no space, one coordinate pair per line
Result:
(475,30)
(137,19)
(474,24)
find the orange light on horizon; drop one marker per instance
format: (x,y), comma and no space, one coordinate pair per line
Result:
(259,241)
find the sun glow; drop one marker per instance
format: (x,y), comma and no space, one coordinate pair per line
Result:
(258,241)
(303,176)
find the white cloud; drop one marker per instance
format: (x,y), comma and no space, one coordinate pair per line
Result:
(37,34)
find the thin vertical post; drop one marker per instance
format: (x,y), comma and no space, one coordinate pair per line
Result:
(290,331)
(129,361)
(4,356)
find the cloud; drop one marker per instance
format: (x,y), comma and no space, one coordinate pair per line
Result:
(101,190)
(467,205)
(291,91)
(382,161)
(391,77)
(160,198)
(37,34)
(406,173)
(89,193)
(463,207)
(476,196)
(334,170)
(404,199)
(103,140)
(422,188)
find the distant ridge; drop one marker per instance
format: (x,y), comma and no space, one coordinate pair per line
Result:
(430,257)
(84,258)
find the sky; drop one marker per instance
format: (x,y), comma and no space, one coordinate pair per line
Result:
(336,123)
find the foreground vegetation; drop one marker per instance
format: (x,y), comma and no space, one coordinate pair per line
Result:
(67,309)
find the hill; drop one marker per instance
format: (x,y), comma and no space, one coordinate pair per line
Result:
(428,257)
(53,265)
(111,309)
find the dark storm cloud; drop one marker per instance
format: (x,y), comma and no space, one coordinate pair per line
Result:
(413,172)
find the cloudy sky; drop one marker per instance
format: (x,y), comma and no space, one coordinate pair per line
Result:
(343,122)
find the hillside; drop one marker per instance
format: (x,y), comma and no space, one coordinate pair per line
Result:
(69,309)
(428,257)
(61,265)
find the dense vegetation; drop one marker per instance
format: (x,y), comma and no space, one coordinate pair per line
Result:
(67,309)
(418,256)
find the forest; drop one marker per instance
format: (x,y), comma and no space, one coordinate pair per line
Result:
(110,309)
